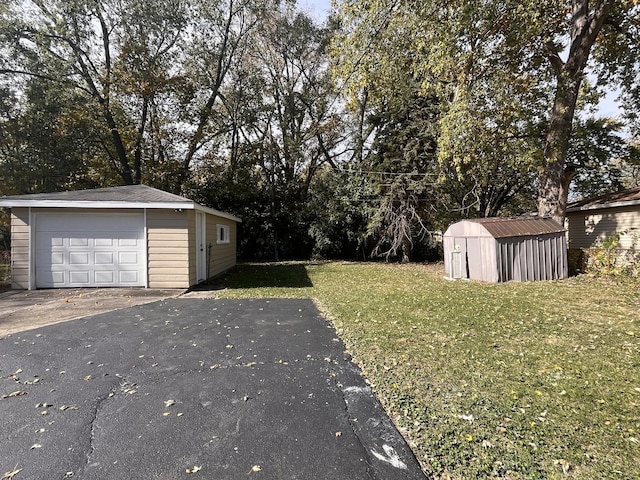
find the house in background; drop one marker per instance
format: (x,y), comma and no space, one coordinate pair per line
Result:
(130,236)
(594,220)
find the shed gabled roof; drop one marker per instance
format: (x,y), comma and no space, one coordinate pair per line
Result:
(502,227)
(127,196)
(622,198)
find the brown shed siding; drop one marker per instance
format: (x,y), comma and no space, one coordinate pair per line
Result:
(167,249)
(588,227)
(20,248)
(532,258)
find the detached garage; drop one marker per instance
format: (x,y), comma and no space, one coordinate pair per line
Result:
(131,236)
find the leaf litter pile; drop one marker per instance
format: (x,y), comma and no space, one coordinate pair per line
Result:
(517,380)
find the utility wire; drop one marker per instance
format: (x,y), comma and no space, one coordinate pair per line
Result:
(386,173)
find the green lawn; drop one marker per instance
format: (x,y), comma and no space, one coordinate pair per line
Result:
(518,380)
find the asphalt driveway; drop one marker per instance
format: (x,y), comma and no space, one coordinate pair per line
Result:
(192,388)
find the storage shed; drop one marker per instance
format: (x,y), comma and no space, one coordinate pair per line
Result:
(506,249)
(130,236)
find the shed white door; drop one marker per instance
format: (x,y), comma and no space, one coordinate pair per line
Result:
(89,250)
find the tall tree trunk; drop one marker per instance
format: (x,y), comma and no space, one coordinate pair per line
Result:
(554,187)
(585,25)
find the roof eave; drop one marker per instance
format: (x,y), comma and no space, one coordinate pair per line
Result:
(627,203)
(217,213)
(15,203)
(94,204)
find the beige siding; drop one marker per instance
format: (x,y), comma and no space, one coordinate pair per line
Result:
(223,255)
(191,225)
(20,248)
(586,228)
(168,250)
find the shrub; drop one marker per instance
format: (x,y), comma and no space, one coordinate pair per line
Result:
(607,258)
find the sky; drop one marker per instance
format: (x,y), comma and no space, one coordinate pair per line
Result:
(318,9)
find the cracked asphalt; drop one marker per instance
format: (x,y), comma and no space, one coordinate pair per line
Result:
(193,388)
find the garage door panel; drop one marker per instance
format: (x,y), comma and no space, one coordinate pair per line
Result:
(81,278)
(129,277)
(57,277)
(128,258)
(90,250)
(103,258)
(79,258)
(105,278)
(127,242)
(78,242)
(104,242)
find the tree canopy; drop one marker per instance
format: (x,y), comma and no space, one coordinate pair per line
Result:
(359,137)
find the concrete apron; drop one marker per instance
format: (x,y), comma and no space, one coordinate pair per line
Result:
(22,310)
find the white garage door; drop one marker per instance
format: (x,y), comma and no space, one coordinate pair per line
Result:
(89,250)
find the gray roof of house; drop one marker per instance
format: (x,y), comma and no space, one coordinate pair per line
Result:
(127,193)
(128,196)
(622,198)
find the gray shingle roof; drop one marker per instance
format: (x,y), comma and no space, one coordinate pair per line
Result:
(128,196)
(127,193)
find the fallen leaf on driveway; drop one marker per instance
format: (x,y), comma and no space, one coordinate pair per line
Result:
(10,475)
(17,393)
